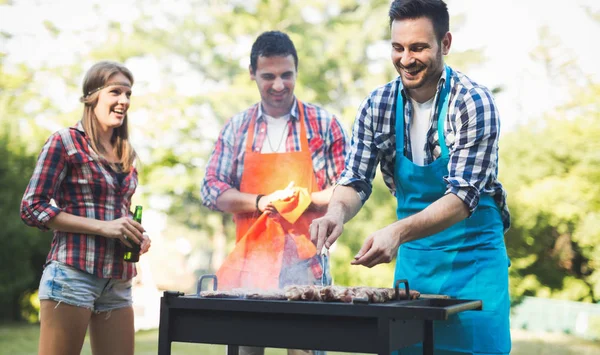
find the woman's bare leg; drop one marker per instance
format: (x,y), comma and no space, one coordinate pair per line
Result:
(112,332)
(62,328)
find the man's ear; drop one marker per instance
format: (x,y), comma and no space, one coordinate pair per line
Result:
(252,76)
(446,43)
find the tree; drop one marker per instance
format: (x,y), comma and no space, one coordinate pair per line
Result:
(23,249)
(190,61)
(343,54)
(551,170)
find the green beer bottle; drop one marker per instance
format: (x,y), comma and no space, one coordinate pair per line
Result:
(132,255)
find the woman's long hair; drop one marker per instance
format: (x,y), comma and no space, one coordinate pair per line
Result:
(96,77)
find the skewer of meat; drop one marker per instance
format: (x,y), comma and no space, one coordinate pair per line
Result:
(372,294)
(266,295)
(303,293)
(236,293)
(316,293)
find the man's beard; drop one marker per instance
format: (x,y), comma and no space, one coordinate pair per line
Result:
(417,68)
(429,73)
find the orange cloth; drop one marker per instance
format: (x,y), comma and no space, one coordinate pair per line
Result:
(258,256)
(291,209)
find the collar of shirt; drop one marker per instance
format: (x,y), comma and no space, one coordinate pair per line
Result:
(79,126)
(86,148)
(293,112)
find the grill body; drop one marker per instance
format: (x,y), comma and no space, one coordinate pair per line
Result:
(364,328)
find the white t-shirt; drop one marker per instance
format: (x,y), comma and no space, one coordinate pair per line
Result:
(419,126)
(277,131)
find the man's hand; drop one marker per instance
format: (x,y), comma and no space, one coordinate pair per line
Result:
(265,203)
(325,231)
(379,247)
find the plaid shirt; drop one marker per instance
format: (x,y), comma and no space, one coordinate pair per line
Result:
(69,172)
(327,142)
(472,129)
(326,139)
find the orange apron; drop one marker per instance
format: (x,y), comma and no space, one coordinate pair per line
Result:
(263,241)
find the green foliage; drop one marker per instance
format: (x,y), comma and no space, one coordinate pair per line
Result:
(343,54)
(200,57)
(23,249)
(551,170)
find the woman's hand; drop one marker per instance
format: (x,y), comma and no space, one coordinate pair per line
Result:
(124,229)
(145,244)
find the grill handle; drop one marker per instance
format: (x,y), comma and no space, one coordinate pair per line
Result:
(397,291)
(206,277)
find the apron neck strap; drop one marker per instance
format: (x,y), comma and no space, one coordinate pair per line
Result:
(254,116)
(303,137)
(443,103)
(442,109)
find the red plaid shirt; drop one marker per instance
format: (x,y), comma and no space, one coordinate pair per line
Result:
(327,142)
(69,172)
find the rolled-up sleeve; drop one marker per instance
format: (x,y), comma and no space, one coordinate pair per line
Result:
(220,175)
(474,156)
(363,157)
(49,172)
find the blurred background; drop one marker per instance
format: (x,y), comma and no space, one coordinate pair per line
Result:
(190,61)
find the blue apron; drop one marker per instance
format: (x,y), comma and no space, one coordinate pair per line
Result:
(467,260)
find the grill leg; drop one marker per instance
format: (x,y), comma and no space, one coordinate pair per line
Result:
(164,343)
(428,338)
(233,350)
(383,337)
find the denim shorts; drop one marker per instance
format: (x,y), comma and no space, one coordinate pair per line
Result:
(63,283)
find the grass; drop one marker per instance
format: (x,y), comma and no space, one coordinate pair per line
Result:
(22,339)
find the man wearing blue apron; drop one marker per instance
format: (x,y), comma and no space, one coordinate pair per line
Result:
(435,134)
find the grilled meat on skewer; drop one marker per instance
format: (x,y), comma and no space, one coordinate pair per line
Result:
(266,295)
(236,293)
(316,293)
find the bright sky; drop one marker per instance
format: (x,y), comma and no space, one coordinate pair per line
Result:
(507,30)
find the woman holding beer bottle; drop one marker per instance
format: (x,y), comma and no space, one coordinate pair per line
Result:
(81,188)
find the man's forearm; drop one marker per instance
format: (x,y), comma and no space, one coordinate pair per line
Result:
(320,199)
(234,201)
(438,216)
(345,202)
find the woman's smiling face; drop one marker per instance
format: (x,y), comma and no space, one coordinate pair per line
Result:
(113,102)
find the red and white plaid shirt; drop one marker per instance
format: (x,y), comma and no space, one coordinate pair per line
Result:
(327,142)
(69,172)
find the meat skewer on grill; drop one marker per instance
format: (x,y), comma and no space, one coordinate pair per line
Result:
(236,293)
(317,293)
(303,293)
(345,294)
(246,293)
(266,295)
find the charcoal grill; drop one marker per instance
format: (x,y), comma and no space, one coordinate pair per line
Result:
(348,327)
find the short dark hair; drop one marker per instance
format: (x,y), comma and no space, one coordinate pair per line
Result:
(270,44)
(435,10)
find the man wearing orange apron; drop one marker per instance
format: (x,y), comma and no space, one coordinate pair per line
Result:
(263,151)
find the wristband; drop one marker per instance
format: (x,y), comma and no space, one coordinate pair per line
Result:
(258,197)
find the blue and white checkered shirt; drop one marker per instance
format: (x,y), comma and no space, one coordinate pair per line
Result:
(472,129)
